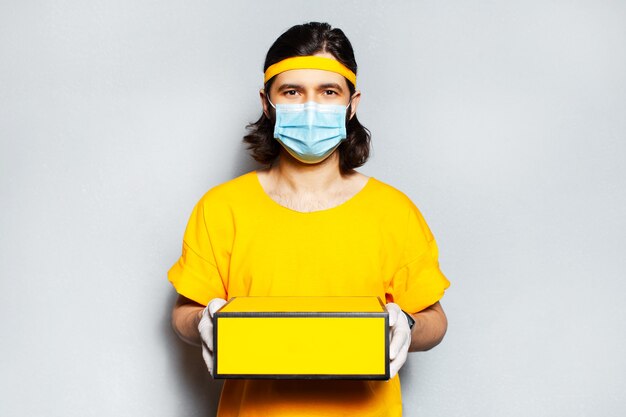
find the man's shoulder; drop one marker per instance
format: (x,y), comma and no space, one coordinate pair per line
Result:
(397,208)
(232,191)
(388,195)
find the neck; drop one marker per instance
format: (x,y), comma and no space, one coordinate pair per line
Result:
(298,177)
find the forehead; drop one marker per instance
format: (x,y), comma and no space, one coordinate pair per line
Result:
(309,78)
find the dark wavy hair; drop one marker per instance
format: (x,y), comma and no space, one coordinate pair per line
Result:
(302,40)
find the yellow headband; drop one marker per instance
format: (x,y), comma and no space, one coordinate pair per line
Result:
(310,62)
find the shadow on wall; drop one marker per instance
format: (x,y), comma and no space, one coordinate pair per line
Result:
(244,162)
(197,393)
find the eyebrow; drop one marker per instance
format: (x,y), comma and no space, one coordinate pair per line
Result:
(331,85)
(290,86)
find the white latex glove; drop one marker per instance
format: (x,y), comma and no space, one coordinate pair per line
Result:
(205,326)
(400,338)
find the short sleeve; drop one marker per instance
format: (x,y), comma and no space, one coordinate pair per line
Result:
(418,283)
(195,275)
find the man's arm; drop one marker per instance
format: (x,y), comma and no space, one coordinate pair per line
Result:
(429,329)
(186,315)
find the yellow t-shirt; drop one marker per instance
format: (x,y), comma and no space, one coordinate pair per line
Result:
(240,242)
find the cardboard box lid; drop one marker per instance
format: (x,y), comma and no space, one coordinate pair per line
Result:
(365,304)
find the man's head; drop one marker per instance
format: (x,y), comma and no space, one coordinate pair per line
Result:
(292,81)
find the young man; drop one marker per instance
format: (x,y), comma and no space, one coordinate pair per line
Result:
(308,225)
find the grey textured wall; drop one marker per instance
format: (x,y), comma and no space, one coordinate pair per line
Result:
(504,121)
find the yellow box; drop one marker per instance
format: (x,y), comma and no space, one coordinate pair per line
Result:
(302,338)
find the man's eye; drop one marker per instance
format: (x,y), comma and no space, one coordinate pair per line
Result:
(330,92)
(291,92)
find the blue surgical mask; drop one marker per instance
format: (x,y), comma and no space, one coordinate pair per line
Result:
(310,132)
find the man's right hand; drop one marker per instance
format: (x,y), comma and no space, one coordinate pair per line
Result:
(205,327)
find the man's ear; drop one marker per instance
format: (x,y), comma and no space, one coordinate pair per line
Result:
(266,109)
(356,98)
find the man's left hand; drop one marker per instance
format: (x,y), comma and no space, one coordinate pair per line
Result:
(400,338)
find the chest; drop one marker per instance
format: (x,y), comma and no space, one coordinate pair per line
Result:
(308,202)
(310,256)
